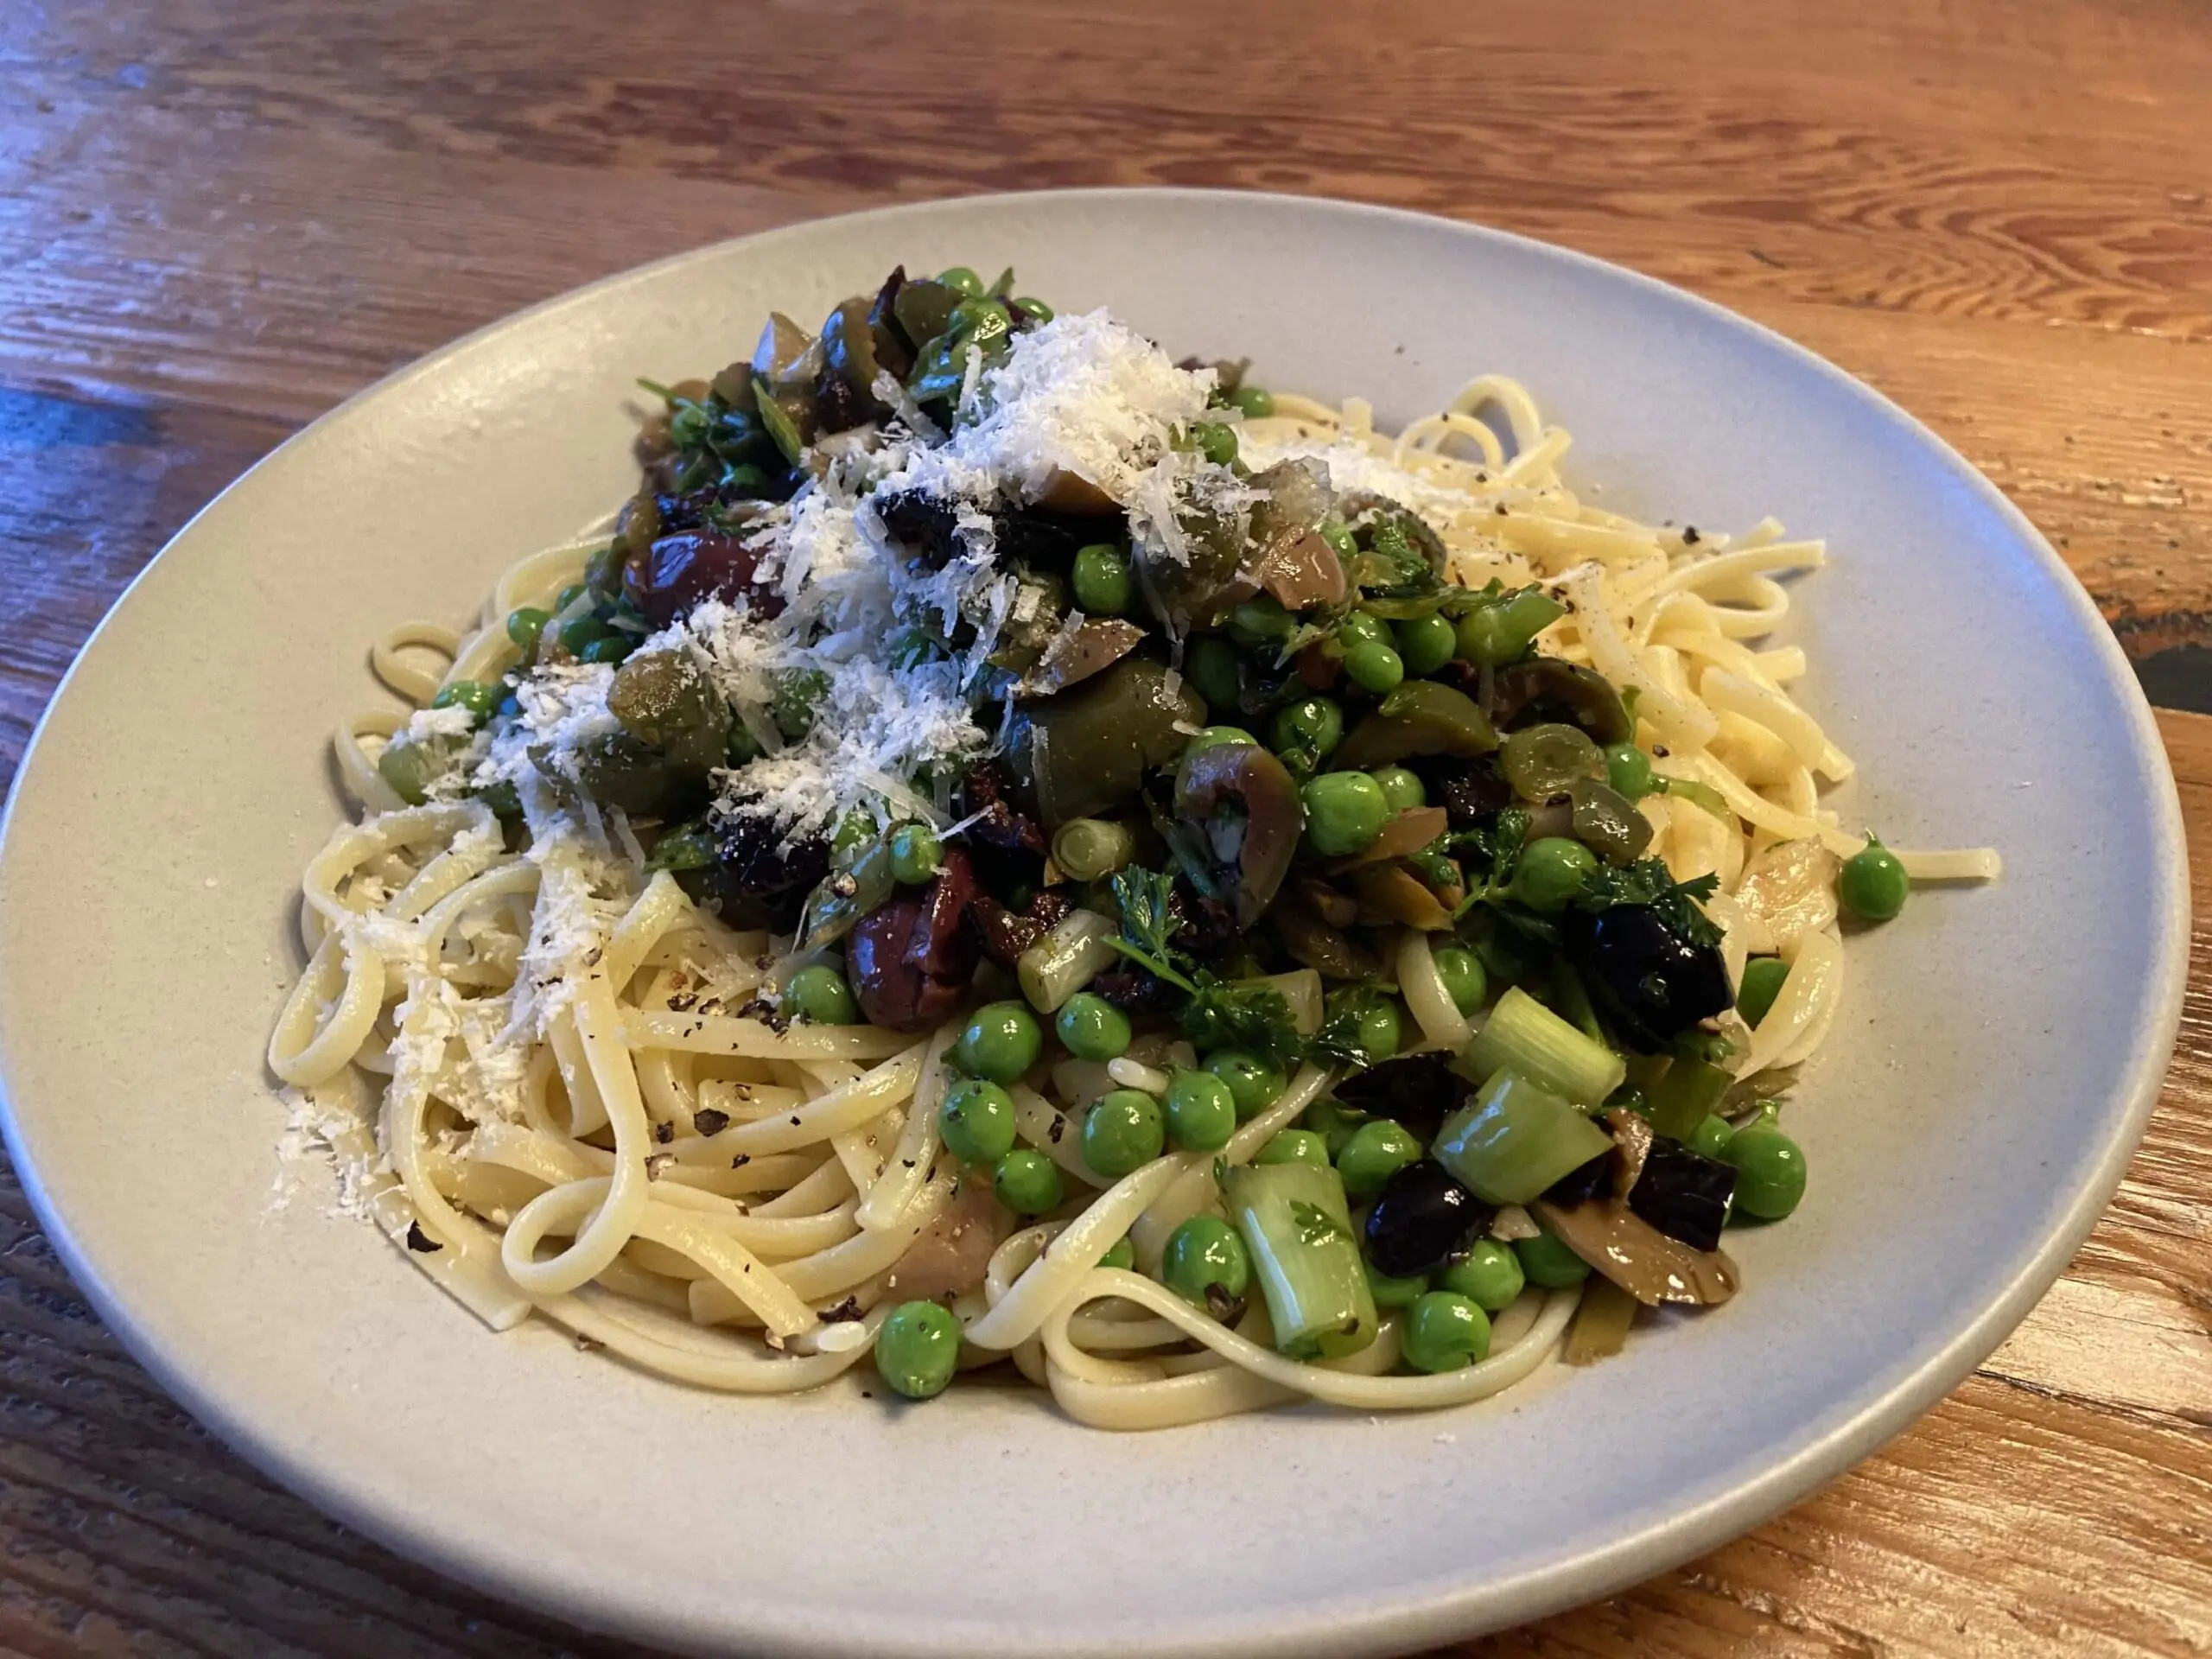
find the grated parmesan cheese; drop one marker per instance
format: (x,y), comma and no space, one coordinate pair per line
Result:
(1081,396)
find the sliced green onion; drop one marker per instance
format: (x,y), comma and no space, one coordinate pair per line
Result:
(1681,1099)
(1075,952)
(1513,1140)
(1091,849)
(1522,1034)
(1298,1229)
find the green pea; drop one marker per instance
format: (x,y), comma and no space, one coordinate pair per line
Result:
(1762,977)
(1549,1263)
(1375,1152)
(580,630)
(1092,1028)
(474,695)
(1426,642)
(1294,1146)
(1461,969)
(796,696)
(1770,1167)
(1100,578)
(1122,1131)
(1389,1292)
(1211,737)
(819,996)
(1444,1331)
(1201,1112)
(1363,628)
(1401,787)
(1000,1042)
(570,596)
(1874,884)
(525,626)
(1027,1183)
(1210,666)
(916,854)
(1036,309)
(1311,726)
(977,1121)
(1375,668)
(1254,1085)
(1216,441)
(962,281)
(1551,872)
(1345,810)
(1334,1122)
(607,648)
(1627,769)
(1710,1136)
(1122,1255)
(917,1348)
(1256,401)
(1380,1029)
(1489,1275)
(1206,1264)
(1338,534)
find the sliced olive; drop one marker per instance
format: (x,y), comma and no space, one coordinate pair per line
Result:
(1418,717)
(925,309)
(1607,823)
(664,699)
(1542,761)
(1546,689)
(1089,748)
(1211,787)
(849,346)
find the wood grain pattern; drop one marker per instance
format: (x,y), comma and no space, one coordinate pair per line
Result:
(215,221)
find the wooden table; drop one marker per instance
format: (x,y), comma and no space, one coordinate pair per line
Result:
(216,220)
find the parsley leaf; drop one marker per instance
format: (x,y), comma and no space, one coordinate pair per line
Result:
(1497,844)
(1147,901)
(1341,1040)
(1315,1225)
(1647,882)
(1221,1014)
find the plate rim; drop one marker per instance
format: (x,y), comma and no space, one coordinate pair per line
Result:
(1440,1610)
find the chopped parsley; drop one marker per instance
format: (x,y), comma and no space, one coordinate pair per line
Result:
(1315,1225)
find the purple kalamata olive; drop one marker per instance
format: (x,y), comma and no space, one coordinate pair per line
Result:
(677,572)
(910,961)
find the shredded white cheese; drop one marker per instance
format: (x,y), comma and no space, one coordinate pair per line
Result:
(1082,397)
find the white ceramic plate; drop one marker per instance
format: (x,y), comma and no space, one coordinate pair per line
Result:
(1965,1124)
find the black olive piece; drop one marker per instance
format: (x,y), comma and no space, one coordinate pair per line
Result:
(1423,1218)
(1036,536)
(1656,984)
(1420,1091)
(1684,1194)
(985,791)
(757,879)
(1589,1180)
(1470,792)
